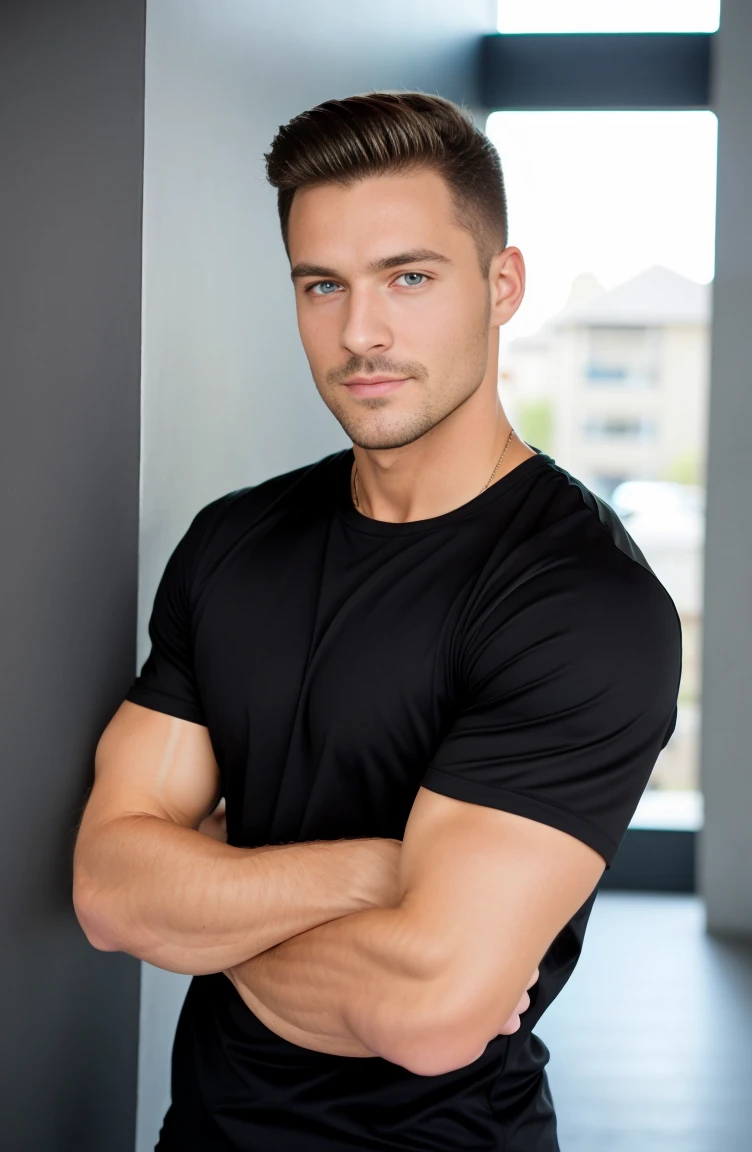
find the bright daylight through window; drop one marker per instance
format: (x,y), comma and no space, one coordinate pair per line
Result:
(608,15)
(606,364)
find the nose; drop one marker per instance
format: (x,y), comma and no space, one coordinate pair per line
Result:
(366,329)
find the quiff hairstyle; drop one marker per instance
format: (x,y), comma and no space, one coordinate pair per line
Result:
(343,141)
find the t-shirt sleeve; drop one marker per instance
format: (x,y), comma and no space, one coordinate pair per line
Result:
(568,694)
(167,681)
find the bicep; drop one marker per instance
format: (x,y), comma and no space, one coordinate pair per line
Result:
(486,892)
(567,703)
(151,763)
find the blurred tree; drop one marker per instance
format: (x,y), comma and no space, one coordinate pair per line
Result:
(535,423)
(686,468)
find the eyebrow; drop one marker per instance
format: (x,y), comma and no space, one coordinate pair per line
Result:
(417,255)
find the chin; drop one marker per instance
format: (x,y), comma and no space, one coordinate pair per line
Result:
(379,439)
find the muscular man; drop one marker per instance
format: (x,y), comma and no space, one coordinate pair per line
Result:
(429,674)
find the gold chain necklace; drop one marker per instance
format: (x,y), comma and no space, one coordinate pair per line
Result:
(356,501)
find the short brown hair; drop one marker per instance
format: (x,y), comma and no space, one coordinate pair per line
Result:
(342,141)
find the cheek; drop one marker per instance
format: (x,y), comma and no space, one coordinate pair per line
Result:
(432,322)
(316,334)
(447,325)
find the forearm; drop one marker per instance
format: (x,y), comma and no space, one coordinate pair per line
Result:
(189,903)
(356,986)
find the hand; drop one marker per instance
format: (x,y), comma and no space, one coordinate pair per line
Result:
(513,1023)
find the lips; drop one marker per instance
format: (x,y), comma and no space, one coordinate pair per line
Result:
(373,379)
(374,385)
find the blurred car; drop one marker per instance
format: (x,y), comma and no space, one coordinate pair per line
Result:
(657,498)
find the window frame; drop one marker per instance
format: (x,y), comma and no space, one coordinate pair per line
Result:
(611,71)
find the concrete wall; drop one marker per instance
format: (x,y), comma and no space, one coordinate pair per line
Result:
(726,843)
(227,394)
(71,95)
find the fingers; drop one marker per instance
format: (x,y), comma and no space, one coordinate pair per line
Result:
(215,824)
(514,1022)
(512,1025)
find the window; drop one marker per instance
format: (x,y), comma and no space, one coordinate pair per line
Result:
(605,484)
(625,357)
(608,15)
(605,366)
(634,428)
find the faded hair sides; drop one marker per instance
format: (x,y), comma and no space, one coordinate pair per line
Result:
(343,141)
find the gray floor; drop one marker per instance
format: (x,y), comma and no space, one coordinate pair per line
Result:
(651,1040)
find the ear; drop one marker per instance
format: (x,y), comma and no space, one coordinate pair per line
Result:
(506,277)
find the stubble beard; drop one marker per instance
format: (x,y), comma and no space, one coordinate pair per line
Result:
(366,430)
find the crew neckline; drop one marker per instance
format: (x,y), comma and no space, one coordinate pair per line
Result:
(347,511)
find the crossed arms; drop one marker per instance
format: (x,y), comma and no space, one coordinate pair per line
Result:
(418,951)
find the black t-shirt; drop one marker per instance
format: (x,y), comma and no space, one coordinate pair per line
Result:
(515,652)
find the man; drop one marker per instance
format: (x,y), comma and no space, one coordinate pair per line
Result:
(430,675)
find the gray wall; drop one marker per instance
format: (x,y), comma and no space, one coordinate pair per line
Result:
(227,394)
(726,843)
(71,132)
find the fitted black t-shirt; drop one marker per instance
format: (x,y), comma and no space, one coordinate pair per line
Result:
(515,652)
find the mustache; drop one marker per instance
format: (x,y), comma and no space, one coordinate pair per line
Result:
(360,366)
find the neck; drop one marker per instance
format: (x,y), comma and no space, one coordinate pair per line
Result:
(438,476)
(449,464)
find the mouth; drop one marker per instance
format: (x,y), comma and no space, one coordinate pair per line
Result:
(374,385)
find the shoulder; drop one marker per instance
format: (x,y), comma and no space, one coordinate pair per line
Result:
(575,541)
(220,525)
(575,592)
(580,607)
(231,514)
(604,570)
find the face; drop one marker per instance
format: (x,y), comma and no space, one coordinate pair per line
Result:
(388,287)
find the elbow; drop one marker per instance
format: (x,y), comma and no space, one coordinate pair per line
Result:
(93,927)
(439,1050)
(103,927)
(452,1030)
(90,907)
(425,1039)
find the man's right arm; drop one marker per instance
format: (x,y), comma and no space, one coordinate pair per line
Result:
(147,882)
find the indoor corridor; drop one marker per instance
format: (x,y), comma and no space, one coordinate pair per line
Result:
(651,1040)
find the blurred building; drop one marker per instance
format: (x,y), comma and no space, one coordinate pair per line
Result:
(617,382)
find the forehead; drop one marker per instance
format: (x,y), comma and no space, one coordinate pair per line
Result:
(356,222)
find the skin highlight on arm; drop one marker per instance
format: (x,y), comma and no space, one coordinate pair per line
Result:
(428,983)
(355,987)
(146,881)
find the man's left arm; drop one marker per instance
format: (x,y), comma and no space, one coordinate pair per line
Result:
(429,982)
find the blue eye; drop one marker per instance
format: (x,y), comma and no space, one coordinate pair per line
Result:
(330,287)
(319,284)
(420,275)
